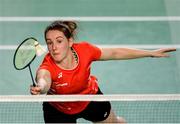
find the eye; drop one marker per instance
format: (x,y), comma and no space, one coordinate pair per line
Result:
(59,41)
(48,42)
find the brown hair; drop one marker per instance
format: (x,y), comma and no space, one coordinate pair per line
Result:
(67,27)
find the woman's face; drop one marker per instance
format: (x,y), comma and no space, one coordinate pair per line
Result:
(58,45)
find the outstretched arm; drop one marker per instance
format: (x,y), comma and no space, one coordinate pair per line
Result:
(43,79)
(126,53)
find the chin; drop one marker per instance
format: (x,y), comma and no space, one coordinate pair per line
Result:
(57,59)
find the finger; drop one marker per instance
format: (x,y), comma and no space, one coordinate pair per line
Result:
(35,90)
(165,55)
(162,54)
(35,93)
(169,50)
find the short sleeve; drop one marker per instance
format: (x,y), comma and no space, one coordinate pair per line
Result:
(45,64)
(95,52)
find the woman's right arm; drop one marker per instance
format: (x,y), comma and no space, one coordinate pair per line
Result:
(43,79)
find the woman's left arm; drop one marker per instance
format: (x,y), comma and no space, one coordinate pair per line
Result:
(126,53)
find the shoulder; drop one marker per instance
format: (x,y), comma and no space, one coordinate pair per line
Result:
(47,60)
(84,45)
(47,57)
(47,63)
(88,49)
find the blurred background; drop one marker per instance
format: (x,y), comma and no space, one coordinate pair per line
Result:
(115,77)
(138,76)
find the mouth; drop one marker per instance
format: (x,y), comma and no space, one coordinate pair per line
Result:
(55,53)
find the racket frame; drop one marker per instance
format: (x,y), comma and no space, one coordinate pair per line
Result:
(28,65)
(17,51)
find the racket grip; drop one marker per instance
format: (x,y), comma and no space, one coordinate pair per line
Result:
(34,84)
(32,76)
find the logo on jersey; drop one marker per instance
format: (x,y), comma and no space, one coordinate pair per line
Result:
(61,85)
(60,75)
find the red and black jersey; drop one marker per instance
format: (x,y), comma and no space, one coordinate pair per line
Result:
(73,81)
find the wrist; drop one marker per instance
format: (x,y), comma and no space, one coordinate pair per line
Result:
(151,54)
(42,84)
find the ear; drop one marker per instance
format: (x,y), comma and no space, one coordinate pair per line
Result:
(71,41)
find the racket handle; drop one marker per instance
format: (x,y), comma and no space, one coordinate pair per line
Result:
(31,76)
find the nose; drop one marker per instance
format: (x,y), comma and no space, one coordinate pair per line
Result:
(54,46)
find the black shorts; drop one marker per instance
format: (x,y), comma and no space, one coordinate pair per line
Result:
(94,112)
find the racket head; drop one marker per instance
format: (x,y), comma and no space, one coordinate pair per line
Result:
(24,54)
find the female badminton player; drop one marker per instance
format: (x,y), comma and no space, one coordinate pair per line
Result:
(66,70)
